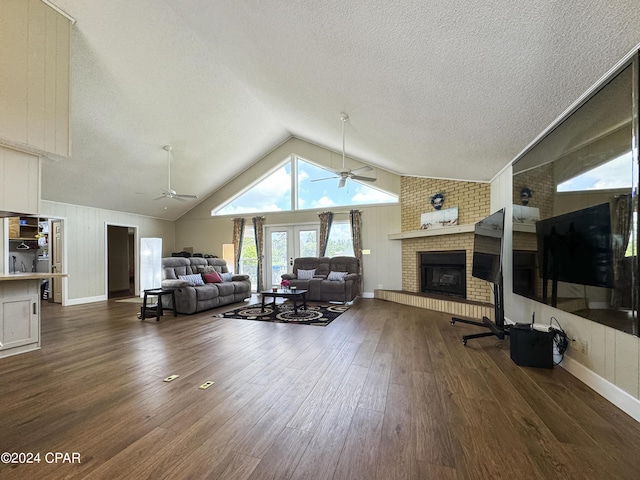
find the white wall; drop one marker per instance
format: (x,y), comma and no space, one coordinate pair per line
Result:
(206,234)
(611,364)
(85,245)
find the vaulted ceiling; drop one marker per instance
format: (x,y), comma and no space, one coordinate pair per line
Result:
(451,89)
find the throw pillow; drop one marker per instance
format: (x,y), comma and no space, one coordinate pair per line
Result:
(226,277)
(306,274)
(205,269)
(337,276)
(194,279)
(212,277)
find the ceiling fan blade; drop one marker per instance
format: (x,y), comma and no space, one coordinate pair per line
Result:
(342,182)
(169,192)
(325,178)
(364,179)
(357,171)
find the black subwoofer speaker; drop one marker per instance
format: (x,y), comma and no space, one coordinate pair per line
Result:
(531,348)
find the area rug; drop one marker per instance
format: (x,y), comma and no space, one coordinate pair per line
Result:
(320,314)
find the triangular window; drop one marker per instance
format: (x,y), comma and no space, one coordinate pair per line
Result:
(271,194)
(299,185)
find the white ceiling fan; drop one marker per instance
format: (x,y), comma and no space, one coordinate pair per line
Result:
(169,192)
(345,174)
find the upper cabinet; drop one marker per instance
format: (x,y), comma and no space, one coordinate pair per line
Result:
(34,77)
(19,182)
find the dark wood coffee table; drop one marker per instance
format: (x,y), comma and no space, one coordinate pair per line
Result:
(293,295)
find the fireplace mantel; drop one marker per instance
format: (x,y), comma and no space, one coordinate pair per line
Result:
(468,228)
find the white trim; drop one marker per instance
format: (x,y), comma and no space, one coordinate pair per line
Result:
(501,171)
(452,230)
(444,178)
(367,295)
(136,252)
(65,256)
(621,399)
(60,11)
(599,305)
(22,349)
(83,300)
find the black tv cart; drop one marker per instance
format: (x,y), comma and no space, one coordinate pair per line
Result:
(498,328)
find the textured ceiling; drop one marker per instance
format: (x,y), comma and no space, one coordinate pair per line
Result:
(452,89)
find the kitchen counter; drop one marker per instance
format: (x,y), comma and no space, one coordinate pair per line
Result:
(30,276)
(20,311)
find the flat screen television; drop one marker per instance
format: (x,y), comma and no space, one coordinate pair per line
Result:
(487,248)
(576,247)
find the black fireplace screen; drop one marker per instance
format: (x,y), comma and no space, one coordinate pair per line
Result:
(444,273)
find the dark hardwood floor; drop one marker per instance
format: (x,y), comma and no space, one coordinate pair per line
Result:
(386,391)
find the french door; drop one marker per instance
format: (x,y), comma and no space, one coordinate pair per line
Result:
(285,243)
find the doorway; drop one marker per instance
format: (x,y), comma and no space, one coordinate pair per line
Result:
(285,243)
(121,264)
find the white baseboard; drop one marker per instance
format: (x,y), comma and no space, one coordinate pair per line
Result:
(367,295)
(599,305)
(621,399)
(16,350)
(83,300)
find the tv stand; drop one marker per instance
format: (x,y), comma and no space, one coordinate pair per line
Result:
(487,323)
(498,328)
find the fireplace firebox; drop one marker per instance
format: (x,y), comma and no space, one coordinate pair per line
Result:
(444,273)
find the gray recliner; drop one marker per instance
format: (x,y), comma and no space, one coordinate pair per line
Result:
(320,288)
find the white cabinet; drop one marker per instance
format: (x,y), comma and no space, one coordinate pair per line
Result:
(19,182)
(19,317)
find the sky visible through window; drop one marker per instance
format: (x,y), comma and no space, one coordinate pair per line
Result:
(273,193)
(616,173)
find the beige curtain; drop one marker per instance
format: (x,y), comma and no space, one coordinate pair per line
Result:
(258,224)
(238,232)
(355,217)
(326,218)
(620,231)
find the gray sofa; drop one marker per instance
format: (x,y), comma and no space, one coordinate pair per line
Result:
(192,299)
(320,288)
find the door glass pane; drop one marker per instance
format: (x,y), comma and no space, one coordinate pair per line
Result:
(308,243)
(278,256)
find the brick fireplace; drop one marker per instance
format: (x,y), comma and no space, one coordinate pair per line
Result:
(473,202)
